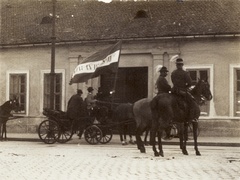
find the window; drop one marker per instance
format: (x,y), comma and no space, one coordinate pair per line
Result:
(237,92)
(18,89)
(57,91)
(18,86)
(200,74)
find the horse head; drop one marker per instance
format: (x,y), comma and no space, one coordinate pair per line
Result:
(13,104)
(202,90)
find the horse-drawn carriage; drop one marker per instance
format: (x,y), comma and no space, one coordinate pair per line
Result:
(96,128)
(59,128)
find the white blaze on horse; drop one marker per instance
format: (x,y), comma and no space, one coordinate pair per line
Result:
(166,110)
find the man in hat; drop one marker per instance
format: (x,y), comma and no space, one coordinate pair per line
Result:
(163,87)
(181,83)
(162,84)
(180,78)
(90,100)
(76,109)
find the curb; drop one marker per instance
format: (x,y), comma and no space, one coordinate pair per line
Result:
(164,142)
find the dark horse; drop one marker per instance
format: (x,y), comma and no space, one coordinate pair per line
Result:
(5,113)
(123,116)
(167,109)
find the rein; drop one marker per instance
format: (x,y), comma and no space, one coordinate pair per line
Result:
(110,103)
(197,93)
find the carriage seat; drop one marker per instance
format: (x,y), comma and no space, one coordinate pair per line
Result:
(55,113)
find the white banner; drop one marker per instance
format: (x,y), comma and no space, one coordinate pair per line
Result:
(91,67)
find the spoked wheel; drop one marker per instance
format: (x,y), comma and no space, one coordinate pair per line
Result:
(49,131)
(106,135)
(93,134)
(66,134)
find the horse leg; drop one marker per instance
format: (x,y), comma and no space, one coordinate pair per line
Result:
(122,134)
(159,134)
(145,138)
(131,141)
(195,134)
(181,130)
(140,144)
(1,132)
(4,131)
(153,142)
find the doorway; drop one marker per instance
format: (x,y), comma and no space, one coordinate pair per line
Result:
(131,84)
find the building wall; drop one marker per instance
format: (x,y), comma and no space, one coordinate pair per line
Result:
(216,53)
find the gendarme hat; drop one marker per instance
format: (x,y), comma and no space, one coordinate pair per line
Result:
(79,91)
(163,69)
(90,89)
(179,61)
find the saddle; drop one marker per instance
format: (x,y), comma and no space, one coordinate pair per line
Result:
(181,103)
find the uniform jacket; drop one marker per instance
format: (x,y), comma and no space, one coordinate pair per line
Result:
(181,79)
(162,85)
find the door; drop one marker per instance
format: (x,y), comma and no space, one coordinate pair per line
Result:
(131,84)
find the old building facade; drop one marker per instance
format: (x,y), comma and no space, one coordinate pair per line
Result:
(200,32)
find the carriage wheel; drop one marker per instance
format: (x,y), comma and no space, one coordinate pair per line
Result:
(93,134)
(66,134)
(106,135)
(48,131)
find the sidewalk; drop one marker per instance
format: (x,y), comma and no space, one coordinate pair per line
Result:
(202,141)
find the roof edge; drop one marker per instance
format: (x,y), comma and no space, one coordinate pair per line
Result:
(237,35)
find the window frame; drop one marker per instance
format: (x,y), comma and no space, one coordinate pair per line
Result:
(210,80)
(62,71)
(232,78)
(15,72)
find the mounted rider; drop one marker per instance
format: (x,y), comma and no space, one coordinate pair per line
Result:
(181,83)
(161,83)
(163,87)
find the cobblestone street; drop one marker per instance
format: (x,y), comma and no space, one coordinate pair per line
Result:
(35,160)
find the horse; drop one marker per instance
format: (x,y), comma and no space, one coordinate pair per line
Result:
(143,117)
(5,113)
(164,109)
(123,116)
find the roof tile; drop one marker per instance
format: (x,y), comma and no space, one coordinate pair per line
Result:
(77,21)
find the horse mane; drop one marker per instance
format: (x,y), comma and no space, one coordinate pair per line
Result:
(194,90)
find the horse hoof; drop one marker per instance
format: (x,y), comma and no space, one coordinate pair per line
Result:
(156,154)
(124,143)
(198,153)
(143,150)
(161,154)
(131,142)
(185,152)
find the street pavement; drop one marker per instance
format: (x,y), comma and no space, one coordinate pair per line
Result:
(27,160)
